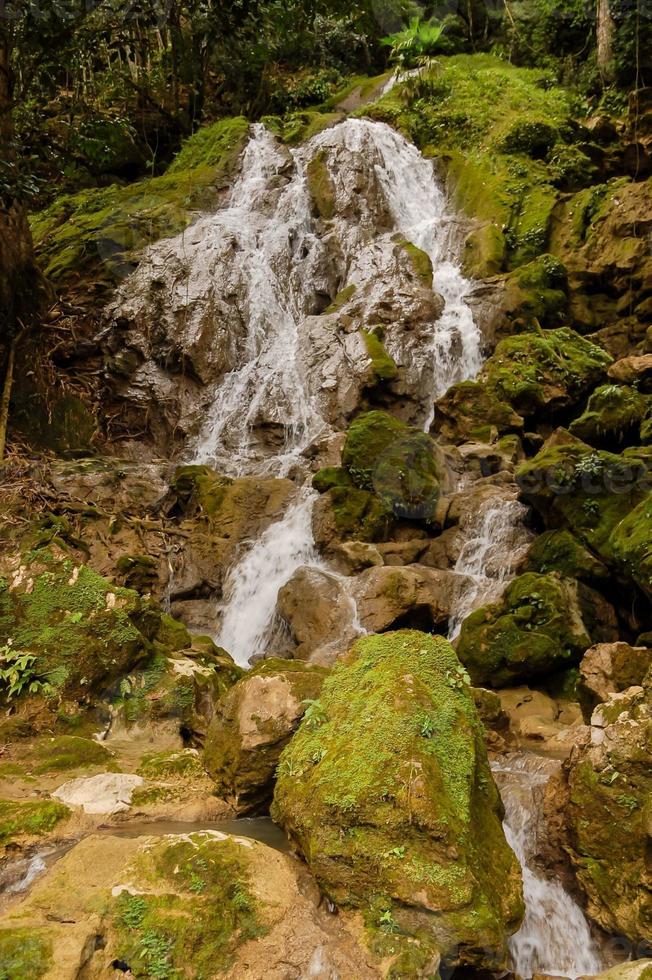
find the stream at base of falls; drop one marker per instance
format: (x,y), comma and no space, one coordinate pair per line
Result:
(555,937)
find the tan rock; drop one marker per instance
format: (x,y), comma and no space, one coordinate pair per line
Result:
(609,668)
(411,595)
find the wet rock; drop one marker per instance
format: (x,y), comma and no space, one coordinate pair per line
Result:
(117,895)
(607,814)
(320,614)
(252,724)
(636,369)
(412,596)
(610,668)
(387,814)
(107,792)
(613,415)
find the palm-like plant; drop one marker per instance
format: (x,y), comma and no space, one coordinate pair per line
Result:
(415,44)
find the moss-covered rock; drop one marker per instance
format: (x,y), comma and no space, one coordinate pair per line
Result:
(542,623)
(473,410)
(19,820)
(253,723)
(346,512)
(382,363)
(82,630)
(559,551)
(387,793)
(631,545)
(399,463)
(320,185)
(589,492)
(540,373)
(613,415)
(100,231)
(607,815)
(70,752)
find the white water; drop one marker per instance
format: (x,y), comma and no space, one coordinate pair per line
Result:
(278,254)
(253,584)
(555,938)
(496,542)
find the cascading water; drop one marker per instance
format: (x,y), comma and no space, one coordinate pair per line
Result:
(277,253)
(554,938)
(496,542)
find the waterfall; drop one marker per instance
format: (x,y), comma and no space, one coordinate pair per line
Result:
(554,938)
(276,254)
(495,543)
(253,583)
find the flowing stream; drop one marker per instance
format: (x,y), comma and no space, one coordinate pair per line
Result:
(555,938)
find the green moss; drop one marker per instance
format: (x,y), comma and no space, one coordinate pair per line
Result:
(160,765)
(420,260)
(299,127)
(536,627)
(138,571)
(613,414)
(631,544)
(358,514)
(341,299)
(493,125)
(200,489)
(24,954)
(70,752)
(81,628)
(172,634)
(392,771)
(539,372)
(193,910)
(585,490)
(29,819)
(320,185)
(473,410)
(382,363)
(560,551)
(100,231)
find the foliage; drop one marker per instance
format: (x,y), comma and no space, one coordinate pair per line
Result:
(19,674)
(414,44)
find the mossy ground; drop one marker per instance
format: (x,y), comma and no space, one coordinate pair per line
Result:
(24,954)
(29,819)
(193,909)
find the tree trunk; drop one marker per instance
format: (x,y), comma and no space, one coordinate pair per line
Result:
(604,36)
(18,276)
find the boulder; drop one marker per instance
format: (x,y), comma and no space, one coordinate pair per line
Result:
(613,415)
(252,724)
(387,793)
(319,612)
(197,904)
(414,595)
(608,814)
(82,631)
(610,668)
(107,792)
(560,551)
(635,369)
(542,623)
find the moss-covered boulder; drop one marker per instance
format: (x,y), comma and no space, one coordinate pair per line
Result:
(79,630)
(399,463)
(542,623)
(613,415)
(588,491)
(21,820)
(631,545)
(544,372)
(252,725)
(559,551)
(347,512)
(608,815)
(386,791)
(473,410)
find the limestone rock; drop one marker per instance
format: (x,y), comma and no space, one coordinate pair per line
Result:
(610,668)
(252,724)
(231,907)
(542,623)
(388,795)
(320,614)
(107,792)
(413,595)
(635,369)
(608,814)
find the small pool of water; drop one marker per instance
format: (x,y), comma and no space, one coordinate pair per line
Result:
(262,829)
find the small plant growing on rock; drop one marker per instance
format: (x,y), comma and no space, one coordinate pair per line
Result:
(314,715)
(19,674)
